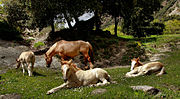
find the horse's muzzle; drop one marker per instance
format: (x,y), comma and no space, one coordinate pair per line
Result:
(48,65)
(65,80)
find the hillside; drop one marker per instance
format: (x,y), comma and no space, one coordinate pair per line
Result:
(169,8)
(12,83)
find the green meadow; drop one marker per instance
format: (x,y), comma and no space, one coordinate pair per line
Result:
(45,79)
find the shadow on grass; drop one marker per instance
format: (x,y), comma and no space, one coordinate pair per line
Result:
(38,74)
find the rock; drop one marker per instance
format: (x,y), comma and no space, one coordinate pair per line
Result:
(98,91)
(99,64)
(107,62)
(147,89)
(10,96)
(40,62)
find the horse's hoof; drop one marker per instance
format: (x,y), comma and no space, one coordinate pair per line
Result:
(49,92)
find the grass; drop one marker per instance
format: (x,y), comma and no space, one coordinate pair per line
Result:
(155,40)
(44,79)
(38,44)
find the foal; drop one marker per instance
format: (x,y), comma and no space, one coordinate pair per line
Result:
(28,59)
(75,77)
(137,68)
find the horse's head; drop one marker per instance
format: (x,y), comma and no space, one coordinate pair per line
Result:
(48,60)
(18,63)
(135,62)
(66,69)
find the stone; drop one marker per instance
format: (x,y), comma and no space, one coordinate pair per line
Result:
(98,91)
(10,96)
(147,89)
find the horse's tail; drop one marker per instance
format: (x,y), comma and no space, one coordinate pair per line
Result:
(161,72)
(91,52)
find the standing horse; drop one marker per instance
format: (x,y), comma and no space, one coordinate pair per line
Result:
(75,77)
(137,68)
(26,59)
(67,49)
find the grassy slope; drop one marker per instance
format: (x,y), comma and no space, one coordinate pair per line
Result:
(45,79)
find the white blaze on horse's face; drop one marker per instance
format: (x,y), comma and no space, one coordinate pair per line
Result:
(65,69)
(133,64)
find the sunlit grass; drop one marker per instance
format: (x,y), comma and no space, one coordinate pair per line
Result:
(44,79)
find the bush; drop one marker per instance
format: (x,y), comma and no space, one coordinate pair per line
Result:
(172,27)
(39,44)
(111,29)
(8,32)
(156,28)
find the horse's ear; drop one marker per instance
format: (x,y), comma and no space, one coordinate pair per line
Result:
(138,59)
(70,61)
(17,60)
(62,62)
(45,55)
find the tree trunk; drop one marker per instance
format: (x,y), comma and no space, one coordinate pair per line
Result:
(68,22)
(115,28)
(76,19)
(52,25)
(97,21)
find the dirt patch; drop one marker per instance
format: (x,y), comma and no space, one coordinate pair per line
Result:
(9,51)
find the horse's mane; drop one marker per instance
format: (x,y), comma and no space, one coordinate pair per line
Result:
(75,66)
(140,63)
(51,49)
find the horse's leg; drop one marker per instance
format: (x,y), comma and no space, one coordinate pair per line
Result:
(57,88)
(85,62)
(29,69)
(104,82)
(140,73)
(161,72)
(89,59)
(131,73)
(23,67)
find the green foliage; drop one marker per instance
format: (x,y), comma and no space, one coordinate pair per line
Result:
(111,29)
(44,79)
(39,44)
(17,14)
(8,32)
(155,28)
(137,20)
(172,27)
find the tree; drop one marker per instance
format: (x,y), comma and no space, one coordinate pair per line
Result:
(17,15)
(138,18)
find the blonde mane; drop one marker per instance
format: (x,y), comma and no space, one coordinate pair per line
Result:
(51,49)
(75,66)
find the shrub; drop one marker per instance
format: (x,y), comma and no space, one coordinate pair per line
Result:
(172,27)
(111,29)
(8,32)
(38,44)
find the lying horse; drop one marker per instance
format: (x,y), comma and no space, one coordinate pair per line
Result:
(26,59)
(137,68)
(67,49)
(75,77)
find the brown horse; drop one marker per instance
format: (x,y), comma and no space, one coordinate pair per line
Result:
(70,49)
